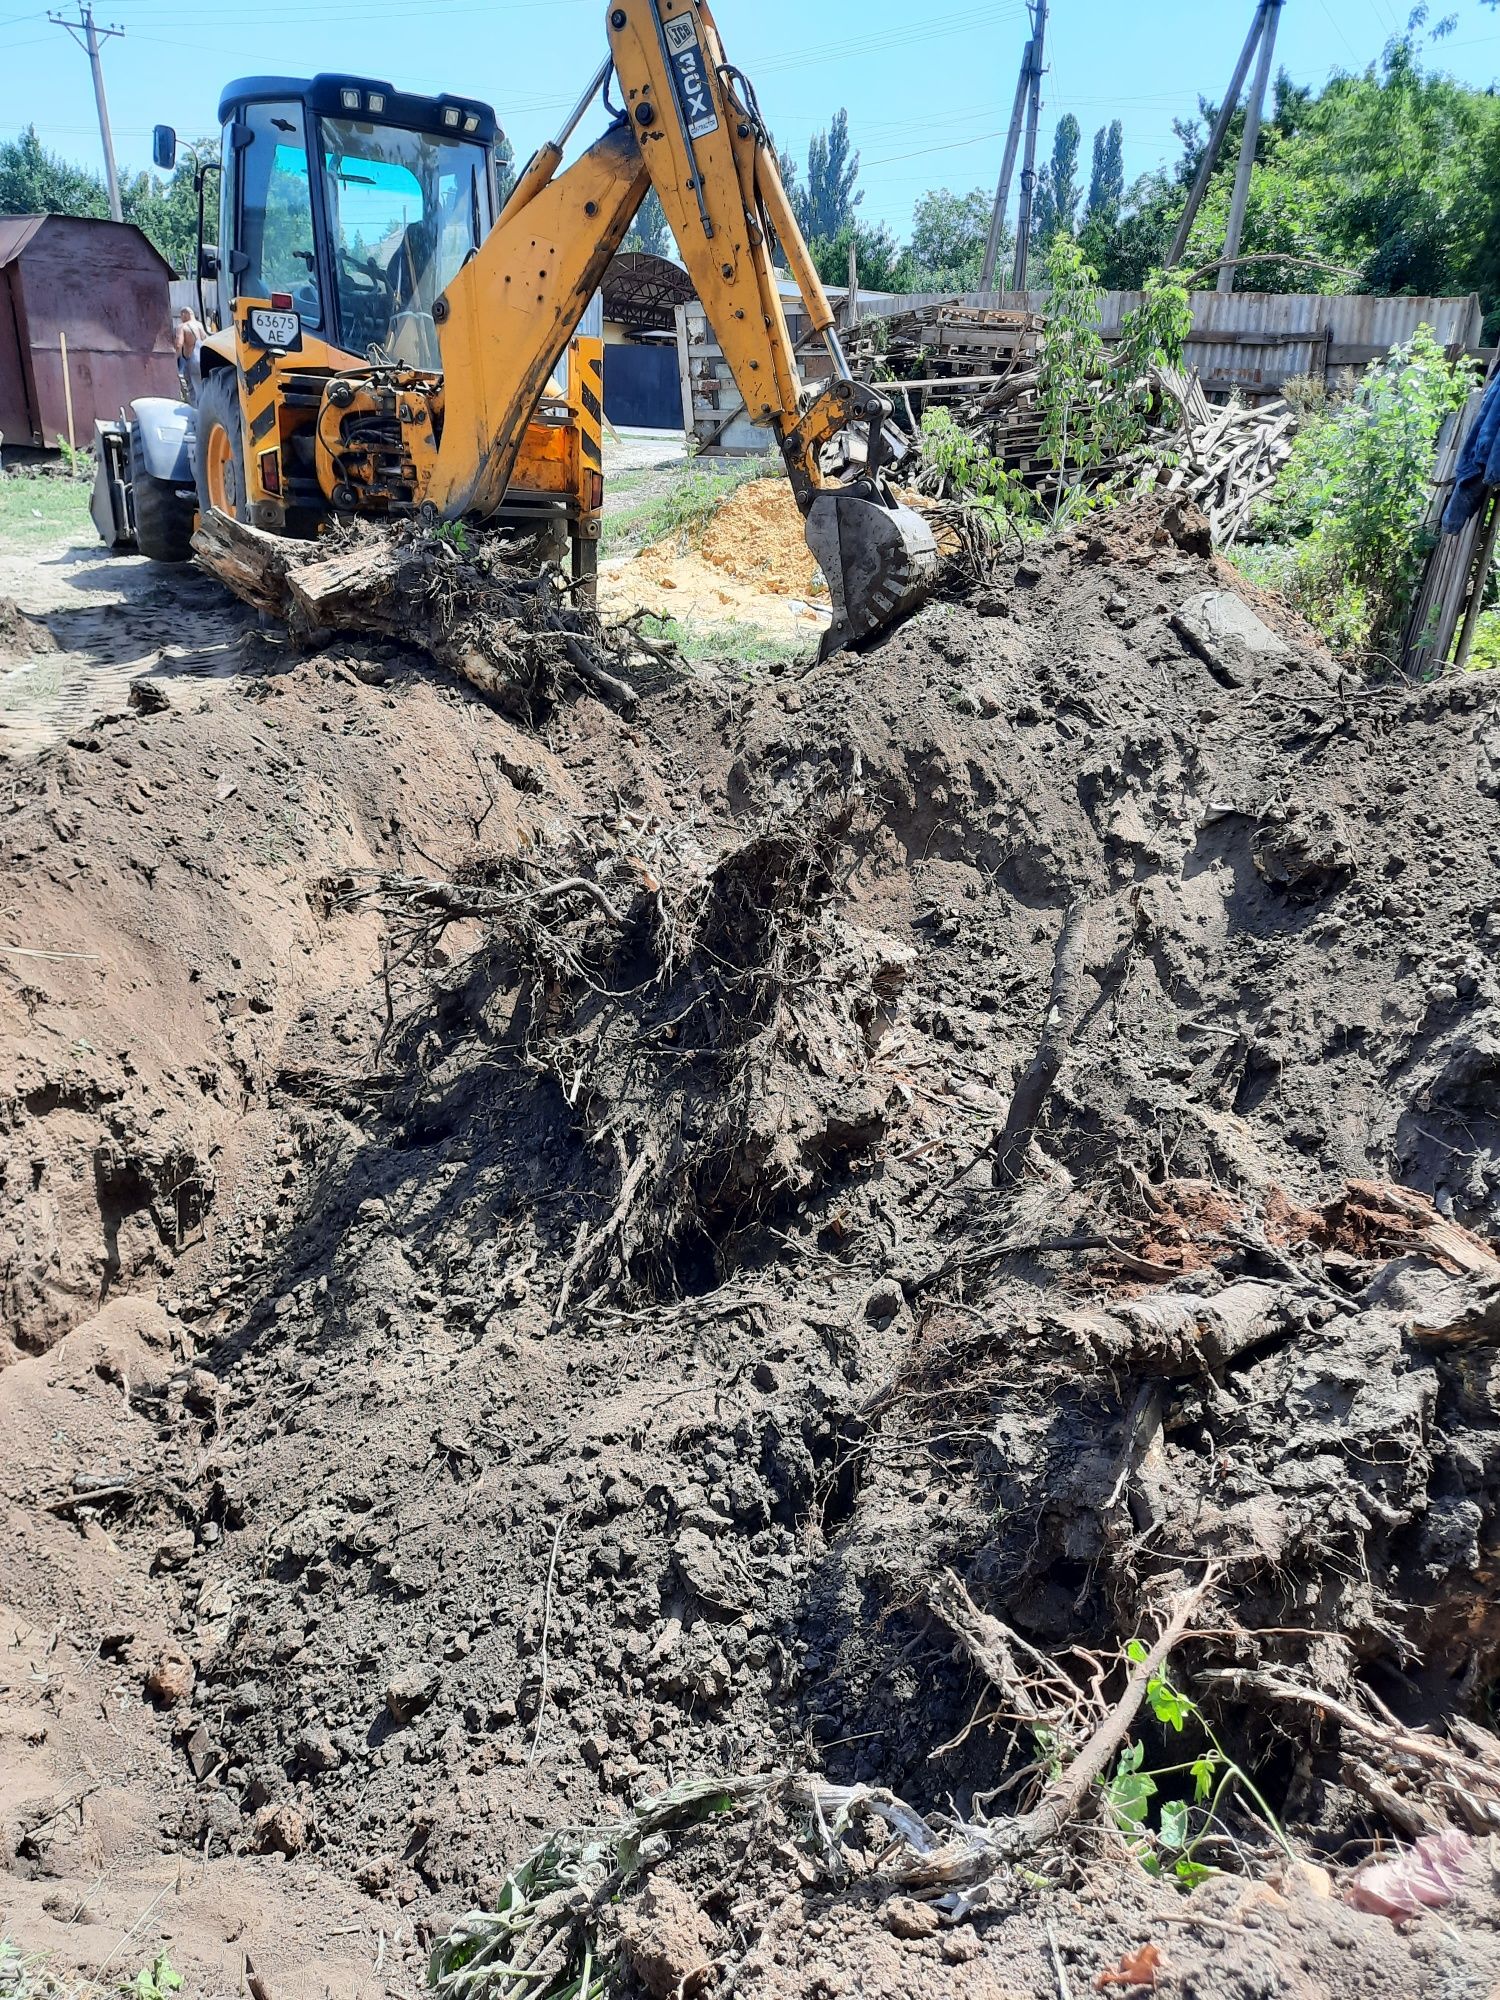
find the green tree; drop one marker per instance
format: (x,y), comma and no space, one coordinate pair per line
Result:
(36,182)
(948,234)
(167,210)
(883,265)
(1107,181)
(1349,505)
(832,171)
(1055,204)
(650,231)
(1392,174)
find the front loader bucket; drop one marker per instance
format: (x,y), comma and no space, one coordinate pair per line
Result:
(879,558)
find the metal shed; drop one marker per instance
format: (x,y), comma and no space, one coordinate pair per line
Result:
(95,291)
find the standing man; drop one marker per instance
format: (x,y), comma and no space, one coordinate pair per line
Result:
(188,337)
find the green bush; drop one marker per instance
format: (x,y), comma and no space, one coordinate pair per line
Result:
(1486,653)
(1349,505)
(974,472)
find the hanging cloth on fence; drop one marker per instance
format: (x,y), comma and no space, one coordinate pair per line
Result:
(1478,467)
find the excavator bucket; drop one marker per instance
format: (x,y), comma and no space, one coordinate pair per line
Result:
(879,558)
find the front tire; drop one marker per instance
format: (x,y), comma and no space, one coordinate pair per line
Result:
(163,517)
(219,459)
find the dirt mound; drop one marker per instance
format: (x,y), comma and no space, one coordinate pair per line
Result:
(755,536)
(164,958)
(22,637)
(827,1192)
(758,536)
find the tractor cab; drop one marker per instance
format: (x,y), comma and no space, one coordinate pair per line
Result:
(358,202)
(347,211)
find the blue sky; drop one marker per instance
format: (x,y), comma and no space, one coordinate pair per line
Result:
(928,87)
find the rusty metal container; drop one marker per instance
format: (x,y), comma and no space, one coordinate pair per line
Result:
(95,290)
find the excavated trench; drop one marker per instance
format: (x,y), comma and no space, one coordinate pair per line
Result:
(671,1293)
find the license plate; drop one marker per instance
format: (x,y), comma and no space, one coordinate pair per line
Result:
(271,327)
(690,74)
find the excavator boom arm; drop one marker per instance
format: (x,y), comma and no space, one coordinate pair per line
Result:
(690,127)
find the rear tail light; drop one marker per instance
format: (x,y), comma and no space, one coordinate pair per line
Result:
(270,471)
(282,301)
(596,491)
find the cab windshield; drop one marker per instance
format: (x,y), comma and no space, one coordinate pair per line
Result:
(406,209)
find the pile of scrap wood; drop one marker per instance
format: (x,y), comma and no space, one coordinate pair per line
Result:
(1227,459)
(941,351)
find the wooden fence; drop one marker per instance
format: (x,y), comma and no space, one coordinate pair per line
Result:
(1251,343)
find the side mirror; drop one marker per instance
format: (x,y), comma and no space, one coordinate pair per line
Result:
(208,260)
(164,147)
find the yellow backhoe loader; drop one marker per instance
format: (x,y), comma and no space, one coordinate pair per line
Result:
(396,341)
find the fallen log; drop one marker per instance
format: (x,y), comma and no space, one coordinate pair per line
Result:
(487,611)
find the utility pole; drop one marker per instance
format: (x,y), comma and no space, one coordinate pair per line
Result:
(1007,169)
(1036,66)
(91,38)
(1254,111)
(1262,36)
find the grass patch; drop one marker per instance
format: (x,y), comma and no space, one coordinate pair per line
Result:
(23,687)
(28,1975)
(34,510)
(730,644)
(688,502)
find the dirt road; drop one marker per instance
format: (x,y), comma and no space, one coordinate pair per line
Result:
(91,622)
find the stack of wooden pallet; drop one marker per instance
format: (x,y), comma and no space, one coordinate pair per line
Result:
(937,351)
(985,366)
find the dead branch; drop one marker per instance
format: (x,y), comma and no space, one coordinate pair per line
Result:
(1062,1801)
(463,900)
(1470,1785)
(587,1247)
(1064,1006)
(993,1647)
(975,1852)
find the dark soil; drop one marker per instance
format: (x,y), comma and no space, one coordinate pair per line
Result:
(637,1295)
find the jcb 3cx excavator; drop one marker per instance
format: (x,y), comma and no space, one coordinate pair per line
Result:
(393,346)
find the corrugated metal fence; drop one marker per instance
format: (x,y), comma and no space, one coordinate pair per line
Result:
(1252,342)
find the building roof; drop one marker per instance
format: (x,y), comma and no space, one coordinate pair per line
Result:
(16,231)
(640,291)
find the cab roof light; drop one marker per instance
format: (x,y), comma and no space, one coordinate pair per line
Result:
(349,99)
(376,101)
(451,115)
(471,123)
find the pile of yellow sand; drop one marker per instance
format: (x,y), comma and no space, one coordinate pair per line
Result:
(749,565)
(758,536)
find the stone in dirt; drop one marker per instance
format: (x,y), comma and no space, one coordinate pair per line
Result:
(1238,647)
(663,1936)
(412,1691)
(906,1918)
(170,1677)
(281,1829)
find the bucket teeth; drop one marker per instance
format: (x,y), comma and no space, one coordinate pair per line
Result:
(879,558)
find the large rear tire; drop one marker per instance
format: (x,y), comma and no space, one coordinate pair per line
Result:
(163,517)
(220,454)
